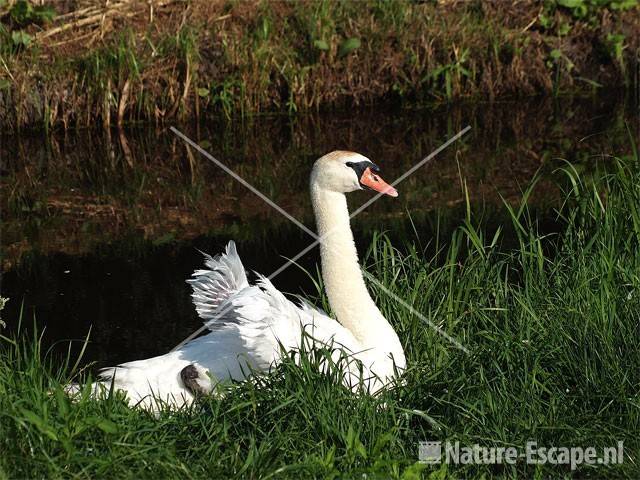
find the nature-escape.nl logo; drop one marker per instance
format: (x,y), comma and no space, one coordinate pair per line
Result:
(453,453)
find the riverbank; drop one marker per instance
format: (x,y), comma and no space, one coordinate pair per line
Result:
(550,331)
(164,60)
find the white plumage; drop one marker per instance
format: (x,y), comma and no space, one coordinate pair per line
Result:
(250,325)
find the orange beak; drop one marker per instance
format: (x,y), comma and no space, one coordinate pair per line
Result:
(375,182)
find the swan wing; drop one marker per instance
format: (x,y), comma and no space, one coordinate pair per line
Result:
(250,325)
(289,320)
(267,323)
(257,323)
(223,276)
(261,314)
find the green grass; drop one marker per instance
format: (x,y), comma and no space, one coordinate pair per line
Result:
(241,58)
(551,323)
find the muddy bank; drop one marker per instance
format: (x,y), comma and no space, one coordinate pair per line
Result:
(123,61)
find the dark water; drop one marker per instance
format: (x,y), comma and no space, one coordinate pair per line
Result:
(101,230)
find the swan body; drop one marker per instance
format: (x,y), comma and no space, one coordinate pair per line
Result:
(251,325)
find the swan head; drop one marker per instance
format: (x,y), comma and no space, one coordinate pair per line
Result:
(345,172)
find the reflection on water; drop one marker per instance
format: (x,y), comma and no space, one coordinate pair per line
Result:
(100,230)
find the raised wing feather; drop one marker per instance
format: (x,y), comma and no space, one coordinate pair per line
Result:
(249,326)
(224,276)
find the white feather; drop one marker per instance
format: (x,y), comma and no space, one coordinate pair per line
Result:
(250,325)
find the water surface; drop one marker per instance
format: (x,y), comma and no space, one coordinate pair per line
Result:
(100,230)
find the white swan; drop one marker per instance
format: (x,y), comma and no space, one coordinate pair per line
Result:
(258,320)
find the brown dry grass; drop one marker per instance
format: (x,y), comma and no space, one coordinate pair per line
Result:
(124,60)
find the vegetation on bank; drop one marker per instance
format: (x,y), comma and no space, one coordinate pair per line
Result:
(66,63)
(550,321)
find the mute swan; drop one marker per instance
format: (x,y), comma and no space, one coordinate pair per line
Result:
(258,320)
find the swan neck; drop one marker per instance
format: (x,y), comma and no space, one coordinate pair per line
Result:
(343,281)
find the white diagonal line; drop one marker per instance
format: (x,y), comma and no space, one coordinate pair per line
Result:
(408,306)
(412,169)
(241,180)
(318,239)
(373,199)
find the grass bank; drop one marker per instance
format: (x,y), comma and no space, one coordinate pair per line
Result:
(82,63)
(550,323)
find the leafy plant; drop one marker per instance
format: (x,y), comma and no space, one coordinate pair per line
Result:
(584,10)
(616,44)
(452,72)
(24,13)
(321,45)
(348,46)
(21,38)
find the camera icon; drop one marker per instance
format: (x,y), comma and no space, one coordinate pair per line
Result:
(430,452)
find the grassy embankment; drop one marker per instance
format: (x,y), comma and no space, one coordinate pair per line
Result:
(552,330)
(167,59)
